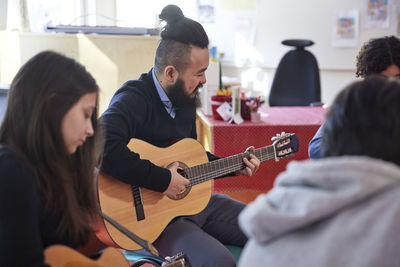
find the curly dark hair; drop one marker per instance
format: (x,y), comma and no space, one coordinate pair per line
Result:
(378,54)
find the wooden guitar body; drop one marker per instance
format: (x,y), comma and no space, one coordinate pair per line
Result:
(116,198)
(63,256)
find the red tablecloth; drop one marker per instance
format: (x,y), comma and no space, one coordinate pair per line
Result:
(229,139)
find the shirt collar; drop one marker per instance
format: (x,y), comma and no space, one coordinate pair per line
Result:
(164,98)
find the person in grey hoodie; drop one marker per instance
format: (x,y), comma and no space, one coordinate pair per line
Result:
(343,209)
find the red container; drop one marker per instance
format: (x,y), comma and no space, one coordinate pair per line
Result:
(244,110)
(216,101)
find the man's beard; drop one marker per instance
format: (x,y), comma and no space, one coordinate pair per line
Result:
(179,98)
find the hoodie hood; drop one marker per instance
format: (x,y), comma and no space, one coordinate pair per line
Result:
(310,191)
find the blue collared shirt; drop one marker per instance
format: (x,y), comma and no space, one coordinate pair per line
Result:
(314,147)
(164,98)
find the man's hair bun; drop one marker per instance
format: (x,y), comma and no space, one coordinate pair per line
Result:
(182,29)
(171,13)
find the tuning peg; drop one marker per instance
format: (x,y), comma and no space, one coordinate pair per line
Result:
(278,136)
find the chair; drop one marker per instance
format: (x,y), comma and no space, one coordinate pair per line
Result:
(296,81)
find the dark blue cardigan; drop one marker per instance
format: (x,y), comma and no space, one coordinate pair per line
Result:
(136,111)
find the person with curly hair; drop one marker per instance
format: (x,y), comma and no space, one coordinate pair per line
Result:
(377,56)
(380,55)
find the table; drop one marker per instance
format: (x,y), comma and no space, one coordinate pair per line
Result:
(225,139)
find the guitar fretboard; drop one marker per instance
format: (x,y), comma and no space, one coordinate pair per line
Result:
(210,170)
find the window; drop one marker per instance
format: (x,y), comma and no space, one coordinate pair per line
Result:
(33,15)
(145,14)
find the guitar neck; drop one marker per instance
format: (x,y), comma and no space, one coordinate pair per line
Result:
(210,170)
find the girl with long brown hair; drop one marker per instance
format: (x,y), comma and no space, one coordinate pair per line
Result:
(48,154)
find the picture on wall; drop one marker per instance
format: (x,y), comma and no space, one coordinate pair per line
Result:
(395,26)
(345,30)
(376,14)
(206,12)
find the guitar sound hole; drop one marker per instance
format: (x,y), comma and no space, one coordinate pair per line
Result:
(183,193)
(181,171)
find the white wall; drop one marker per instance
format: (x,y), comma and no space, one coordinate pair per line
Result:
(332,81)
(309,19)
(3,14)
(293,19)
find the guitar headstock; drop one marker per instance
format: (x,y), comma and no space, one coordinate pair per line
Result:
(285,144)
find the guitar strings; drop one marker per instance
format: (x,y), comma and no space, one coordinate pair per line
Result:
(210,175)
(236,163)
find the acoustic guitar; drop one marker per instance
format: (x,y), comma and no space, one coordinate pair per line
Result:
(146,212)
(63,256)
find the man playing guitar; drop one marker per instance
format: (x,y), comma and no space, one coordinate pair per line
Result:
(156,108)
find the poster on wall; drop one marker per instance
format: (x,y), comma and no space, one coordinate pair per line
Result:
(345,30)
(376,14)
(235,31)
(245,31)
(396,20)
(206,11)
